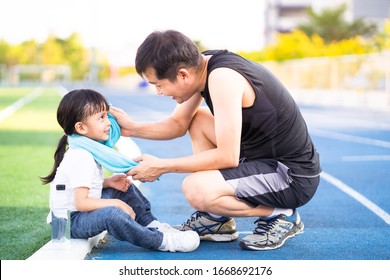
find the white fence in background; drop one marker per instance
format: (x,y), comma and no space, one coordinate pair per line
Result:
(368,73)
(362,73)
(34,73)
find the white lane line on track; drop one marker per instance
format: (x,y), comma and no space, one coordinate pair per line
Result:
(245,232)
(8,111)
(356,195)
(350,138)
(62,90)
(366,158)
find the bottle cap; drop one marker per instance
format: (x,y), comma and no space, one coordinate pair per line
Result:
(60,187)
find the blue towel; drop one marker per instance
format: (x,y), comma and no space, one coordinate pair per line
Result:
(103,152)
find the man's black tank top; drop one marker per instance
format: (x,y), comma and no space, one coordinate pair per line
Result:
(273,127)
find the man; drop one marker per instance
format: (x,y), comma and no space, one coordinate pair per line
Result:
(252,154)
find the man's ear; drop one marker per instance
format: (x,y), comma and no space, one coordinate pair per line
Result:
(80,128)
(182,74)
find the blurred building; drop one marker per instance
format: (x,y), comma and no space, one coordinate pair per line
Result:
(282,16)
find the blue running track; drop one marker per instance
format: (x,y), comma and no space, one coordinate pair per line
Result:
(348,219)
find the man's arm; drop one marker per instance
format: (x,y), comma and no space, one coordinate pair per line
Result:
(227,88)
(174,126)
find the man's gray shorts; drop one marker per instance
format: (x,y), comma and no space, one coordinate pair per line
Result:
(269,183)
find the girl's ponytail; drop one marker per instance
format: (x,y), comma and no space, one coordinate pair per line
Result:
(58,156)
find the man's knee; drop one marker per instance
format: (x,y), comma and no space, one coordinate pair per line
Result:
(194,193)
(201,117)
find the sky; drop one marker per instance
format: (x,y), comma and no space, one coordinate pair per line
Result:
(118,27)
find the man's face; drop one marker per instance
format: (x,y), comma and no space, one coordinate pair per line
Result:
(178,90)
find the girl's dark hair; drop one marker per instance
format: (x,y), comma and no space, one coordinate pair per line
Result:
(74,107)
(165,52)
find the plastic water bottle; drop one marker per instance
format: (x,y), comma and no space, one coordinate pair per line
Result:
(60,219)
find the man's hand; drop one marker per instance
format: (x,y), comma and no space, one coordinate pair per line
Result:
(124,121)
(149,169)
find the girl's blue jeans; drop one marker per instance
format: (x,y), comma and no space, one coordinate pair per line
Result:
(118,223)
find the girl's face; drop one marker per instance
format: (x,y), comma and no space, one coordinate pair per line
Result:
(96,126)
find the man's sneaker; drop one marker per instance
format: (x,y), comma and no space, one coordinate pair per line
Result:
(272,233)
(210,228)
(180,241)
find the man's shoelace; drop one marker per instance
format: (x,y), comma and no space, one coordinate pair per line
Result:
(193,217)
(263,226)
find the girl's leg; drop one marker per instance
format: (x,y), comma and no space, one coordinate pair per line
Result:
(119,224)
(136,200)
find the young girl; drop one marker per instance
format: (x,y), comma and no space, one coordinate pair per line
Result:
(97,203)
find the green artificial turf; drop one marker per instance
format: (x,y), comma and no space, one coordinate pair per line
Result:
(28,139)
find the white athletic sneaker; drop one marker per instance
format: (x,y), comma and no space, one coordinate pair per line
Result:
(180,241)
(164,228)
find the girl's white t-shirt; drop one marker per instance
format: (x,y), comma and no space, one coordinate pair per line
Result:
(78,169)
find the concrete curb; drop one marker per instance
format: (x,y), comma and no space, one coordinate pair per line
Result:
(75,249)
(78,249)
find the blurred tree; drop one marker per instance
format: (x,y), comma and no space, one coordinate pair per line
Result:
(29,52)
(4,50)
(330,25)
(386,35)
(75,55)
(200,46)
(52,51)
(298,45)
(25,53)
(382,39)
(103,69)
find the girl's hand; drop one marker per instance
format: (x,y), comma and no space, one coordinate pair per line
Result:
(119,182)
